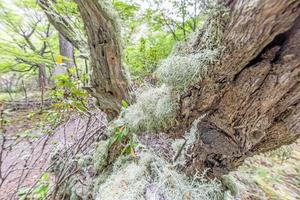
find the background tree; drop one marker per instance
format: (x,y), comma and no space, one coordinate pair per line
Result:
(27,48)
(178,17)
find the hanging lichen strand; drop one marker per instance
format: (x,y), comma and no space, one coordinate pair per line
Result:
(181,71)
(153,111)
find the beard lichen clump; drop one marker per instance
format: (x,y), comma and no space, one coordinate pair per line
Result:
(154,110)
(212,31)
(181,71)
(126,181)
(190,61)
(149,177)
(100,155)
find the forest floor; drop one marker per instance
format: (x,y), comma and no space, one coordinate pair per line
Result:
(275,175)
(25,151)
(272,176)
(32,136)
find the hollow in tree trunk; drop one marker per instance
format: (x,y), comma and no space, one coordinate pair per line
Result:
(250,99)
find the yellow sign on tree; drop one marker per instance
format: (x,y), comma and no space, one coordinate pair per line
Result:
(59,59)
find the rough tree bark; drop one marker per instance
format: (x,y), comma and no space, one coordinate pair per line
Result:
(108,82)
(250,100)
(248,103)
(63,25)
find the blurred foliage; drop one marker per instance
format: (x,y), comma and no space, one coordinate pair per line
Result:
(68,94)
(148,37)
(27,40)
(39,192)
(149,31)
(143,58)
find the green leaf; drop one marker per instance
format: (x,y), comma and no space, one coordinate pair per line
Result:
(124,104)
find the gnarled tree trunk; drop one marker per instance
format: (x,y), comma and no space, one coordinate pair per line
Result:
(248,103)
(63,25)
(250,100)
(108,82)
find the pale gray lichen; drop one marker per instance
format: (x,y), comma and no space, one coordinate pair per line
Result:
(100,155)
(191,135)
(152,177)
(73,195)
(177,144)
(283,153)
(120,162)
(84,160)
(125,183)
(235,187)
(175,186)
(180,145)
(210,35)
(181,71)
(154,110)
(228,196)
(99,180)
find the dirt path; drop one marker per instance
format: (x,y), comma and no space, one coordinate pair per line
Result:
(25,155)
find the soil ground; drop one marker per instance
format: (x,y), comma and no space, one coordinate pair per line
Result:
(28,147)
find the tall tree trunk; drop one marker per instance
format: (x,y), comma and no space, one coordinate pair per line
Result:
(108,80)
(42,82)
(250,99)
(66,50)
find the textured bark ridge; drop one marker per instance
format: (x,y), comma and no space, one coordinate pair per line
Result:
(251,98)
(64,25)
(108,82)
